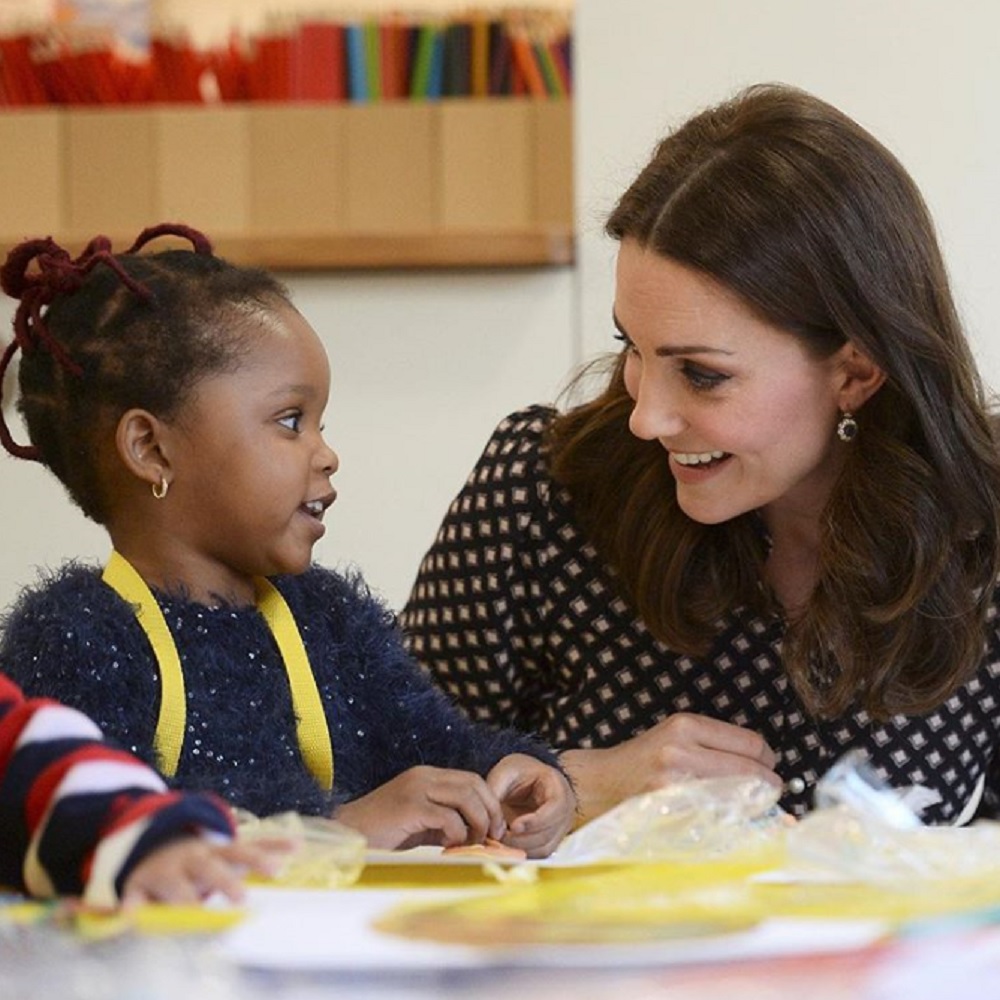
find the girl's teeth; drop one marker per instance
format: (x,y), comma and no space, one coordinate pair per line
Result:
(697,458)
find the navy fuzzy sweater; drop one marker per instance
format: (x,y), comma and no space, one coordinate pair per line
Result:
(73,638)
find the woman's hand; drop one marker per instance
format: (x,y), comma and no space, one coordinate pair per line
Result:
(427,805)
(538,803)
(190,869)
(681,746)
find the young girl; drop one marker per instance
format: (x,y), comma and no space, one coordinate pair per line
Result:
(179,400)
(78,817)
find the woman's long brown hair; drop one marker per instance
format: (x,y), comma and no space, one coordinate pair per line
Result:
(815,225)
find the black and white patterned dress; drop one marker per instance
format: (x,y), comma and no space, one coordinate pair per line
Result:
(515,615)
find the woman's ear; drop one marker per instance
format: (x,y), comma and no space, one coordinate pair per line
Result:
(139,440)
(859,378)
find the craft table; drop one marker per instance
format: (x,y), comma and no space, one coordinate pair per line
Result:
(303,944)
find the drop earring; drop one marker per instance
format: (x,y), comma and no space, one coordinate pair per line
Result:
(847,427)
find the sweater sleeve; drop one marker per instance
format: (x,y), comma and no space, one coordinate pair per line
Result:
(71,638)
(389,716)
(475,616)
(76,814)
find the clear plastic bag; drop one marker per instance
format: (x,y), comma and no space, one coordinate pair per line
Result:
(327,854)
(866,830)
(698,817)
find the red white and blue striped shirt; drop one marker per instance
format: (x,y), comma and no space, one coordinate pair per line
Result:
(76,813)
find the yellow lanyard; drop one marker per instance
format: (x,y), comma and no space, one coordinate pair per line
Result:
(311,728)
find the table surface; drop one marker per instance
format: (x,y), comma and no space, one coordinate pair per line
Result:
(301,944)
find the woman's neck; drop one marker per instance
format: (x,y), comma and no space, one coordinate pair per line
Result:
(792,567)
(792,576)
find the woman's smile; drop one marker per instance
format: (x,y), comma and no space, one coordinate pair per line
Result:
(693,468)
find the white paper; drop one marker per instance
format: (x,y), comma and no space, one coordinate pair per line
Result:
(331,930)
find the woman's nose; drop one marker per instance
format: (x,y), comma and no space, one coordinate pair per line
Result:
(655,415)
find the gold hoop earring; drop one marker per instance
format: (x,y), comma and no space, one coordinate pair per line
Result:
(160,489)
(847,427)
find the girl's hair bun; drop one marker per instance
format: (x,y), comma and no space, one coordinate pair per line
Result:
(38,271)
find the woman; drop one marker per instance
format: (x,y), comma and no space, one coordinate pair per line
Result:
(775,535)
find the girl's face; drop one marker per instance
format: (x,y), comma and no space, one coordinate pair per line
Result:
(250,467)
(747,418)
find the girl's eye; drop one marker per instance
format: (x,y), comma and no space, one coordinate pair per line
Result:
(702,378)
(292,421)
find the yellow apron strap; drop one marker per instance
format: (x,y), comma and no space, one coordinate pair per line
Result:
(311,728)
(120,575)
(313,732)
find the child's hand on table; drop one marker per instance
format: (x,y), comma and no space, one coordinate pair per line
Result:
(190,869)
(427,805)
(538,803)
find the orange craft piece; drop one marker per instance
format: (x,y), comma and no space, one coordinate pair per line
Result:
(490,848)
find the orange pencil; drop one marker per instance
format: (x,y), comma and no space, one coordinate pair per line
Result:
(524,59)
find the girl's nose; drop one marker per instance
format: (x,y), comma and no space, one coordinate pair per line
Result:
(654,415)
(328,459)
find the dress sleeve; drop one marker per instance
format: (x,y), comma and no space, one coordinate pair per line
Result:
(77,814)
(475,616)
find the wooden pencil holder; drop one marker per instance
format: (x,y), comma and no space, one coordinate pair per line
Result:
(393,183)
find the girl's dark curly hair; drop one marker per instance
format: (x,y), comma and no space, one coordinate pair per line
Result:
(104,332)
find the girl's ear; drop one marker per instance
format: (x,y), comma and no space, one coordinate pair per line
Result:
(139,440)
(859,378)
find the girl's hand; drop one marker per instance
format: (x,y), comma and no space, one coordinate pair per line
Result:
(681,746)
(538,803)
(427,805)
(190,869)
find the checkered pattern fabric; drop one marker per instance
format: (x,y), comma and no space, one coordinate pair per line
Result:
(515,615)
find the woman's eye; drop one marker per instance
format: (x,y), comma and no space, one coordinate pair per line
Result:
(292,421)
(702,378)
(626,340)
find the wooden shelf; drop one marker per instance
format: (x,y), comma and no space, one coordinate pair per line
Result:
(548,247)
(528,248)
(462,183)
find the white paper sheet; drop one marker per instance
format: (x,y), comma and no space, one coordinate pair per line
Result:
(315,930)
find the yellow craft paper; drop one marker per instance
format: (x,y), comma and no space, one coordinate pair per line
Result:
(149,918)
(644,902)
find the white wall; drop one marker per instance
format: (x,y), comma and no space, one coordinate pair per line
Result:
(923,75)
(424,364)
(423,367)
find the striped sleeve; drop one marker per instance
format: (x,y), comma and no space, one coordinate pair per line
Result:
(76,814)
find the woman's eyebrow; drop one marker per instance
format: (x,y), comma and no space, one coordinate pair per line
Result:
(672,351)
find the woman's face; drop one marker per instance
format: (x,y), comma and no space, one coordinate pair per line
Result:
(747,418)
